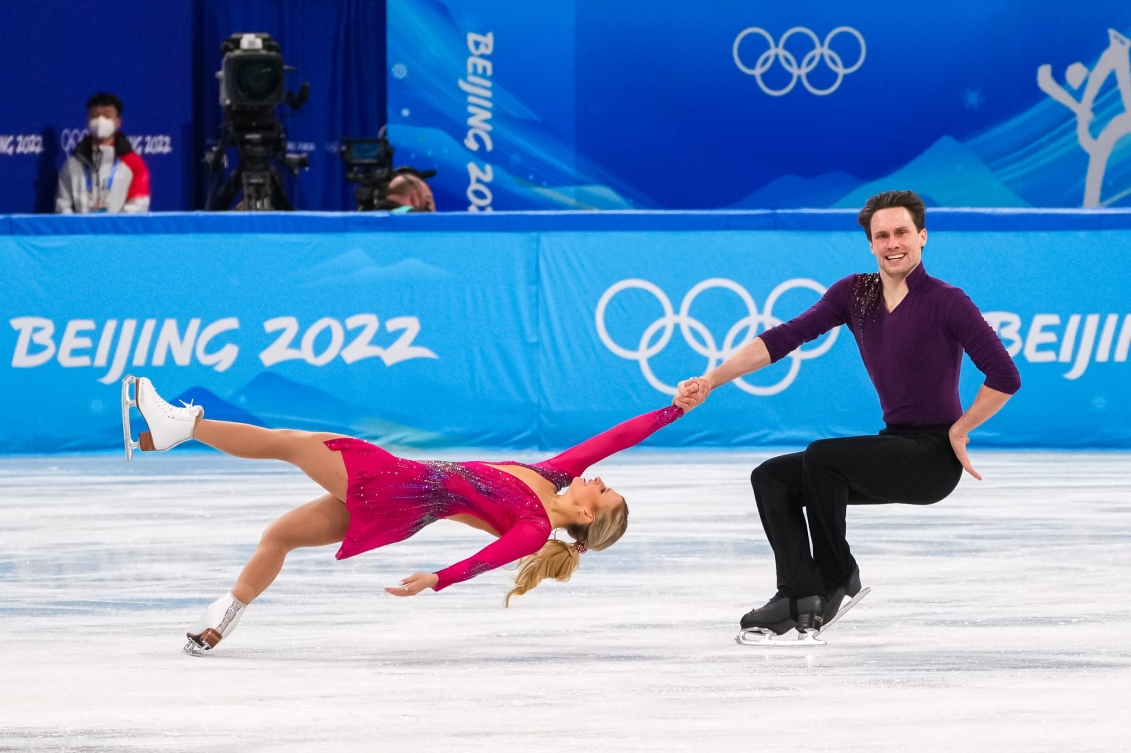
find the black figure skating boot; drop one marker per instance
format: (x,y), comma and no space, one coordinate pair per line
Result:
(851,589)
(800,618)
(217,623)
(168,425)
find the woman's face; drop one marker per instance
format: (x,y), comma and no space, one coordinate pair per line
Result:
(590,496)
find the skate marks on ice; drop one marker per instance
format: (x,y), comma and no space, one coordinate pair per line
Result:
(997,620)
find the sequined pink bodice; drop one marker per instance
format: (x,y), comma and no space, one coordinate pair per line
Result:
(391,498)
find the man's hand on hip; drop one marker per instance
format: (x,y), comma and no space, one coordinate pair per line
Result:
(959,441)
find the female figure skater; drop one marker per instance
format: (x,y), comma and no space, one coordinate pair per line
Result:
(374,498)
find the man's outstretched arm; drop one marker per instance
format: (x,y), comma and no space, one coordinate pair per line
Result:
(773,344)
(753,356)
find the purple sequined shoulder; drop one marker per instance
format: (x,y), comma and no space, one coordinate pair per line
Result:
(866,292)
(560,479)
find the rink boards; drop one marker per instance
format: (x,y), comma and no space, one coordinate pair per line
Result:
(531,330)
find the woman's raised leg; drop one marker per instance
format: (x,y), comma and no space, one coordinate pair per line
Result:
(304,449)
(318,523)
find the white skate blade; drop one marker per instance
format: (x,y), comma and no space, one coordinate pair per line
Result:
(128,403)
(766,638)
(840,613)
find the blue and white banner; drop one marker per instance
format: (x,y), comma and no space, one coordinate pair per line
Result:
(529,331)
(738,104)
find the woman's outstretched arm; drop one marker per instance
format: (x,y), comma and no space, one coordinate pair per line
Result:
(515,544)
(575,460)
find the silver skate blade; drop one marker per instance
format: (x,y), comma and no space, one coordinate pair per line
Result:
(192,648)
(767,638)
(840,613)
(128,403)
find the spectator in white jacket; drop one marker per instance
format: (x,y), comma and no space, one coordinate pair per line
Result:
(104,174)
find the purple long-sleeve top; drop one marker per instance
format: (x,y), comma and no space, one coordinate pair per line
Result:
(913,354)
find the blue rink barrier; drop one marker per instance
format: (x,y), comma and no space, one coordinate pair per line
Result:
(526,330)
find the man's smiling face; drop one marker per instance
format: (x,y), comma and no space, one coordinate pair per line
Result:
(896,243)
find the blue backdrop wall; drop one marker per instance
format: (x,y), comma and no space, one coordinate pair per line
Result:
(530,330)
(588,104)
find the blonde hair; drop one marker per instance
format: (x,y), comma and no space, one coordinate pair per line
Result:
(558,559)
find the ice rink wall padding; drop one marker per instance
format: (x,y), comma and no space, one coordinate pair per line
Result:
(526,330)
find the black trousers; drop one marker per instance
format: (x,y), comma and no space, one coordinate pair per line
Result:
(912,465)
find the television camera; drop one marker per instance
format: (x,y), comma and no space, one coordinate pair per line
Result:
(252,87)
(369,164)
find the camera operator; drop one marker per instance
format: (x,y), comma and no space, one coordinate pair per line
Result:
(104,174)
(380,186)
(408,193)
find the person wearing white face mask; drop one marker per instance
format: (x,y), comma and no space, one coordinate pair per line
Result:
(104,174)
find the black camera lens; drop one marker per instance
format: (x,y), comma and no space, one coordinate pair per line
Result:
(259,79)
(366,150)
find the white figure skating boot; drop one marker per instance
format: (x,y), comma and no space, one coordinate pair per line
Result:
(168,425)
(217,623)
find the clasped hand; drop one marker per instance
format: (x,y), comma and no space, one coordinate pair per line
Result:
(692,392)
(414,584)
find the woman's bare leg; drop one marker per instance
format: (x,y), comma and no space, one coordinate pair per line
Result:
(304,449)
(318,523)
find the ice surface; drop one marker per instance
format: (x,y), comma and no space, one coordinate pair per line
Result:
(997,621)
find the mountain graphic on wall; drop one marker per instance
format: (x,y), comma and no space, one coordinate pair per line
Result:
(216,407)
(281,403)
(947,174)
(794,192)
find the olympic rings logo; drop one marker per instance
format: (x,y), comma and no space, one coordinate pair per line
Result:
(657,335)
(821,51)
(69,138)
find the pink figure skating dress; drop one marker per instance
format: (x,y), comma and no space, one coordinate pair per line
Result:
(390,498)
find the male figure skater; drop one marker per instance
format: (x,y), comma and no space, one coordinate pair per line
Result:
(911,330)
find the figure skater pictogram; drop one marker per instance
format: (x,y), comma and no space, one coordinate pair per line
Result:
(1116,60)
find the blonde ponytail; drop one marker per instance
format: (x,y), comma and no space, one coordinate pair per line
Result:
(556,559)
